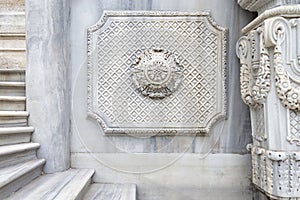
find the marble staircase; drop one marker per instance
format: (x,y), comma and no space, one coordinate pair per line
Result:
(21,175)
(70,184)
(19,164)
(20,169)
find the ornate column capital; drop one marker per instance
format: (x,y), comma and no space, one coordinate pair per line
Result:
(263,5)
(253,5)
(269,53)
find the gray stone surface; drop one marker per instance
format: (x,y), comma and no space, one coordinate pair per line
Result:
(16,176)
(164,167)
(174,176)
(233,136)
(68,185)
(17,153)
(111,192)
(12,34)
(48,75)
(262,5)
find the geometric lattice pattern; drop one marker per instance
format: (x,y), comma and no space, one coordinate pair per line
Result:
(200,98)
(294,133)
(259,130)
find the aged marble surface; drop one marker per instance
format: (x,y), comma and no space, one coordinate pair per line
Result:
(269,58)
(189,178)
(8,6)
(262,5)
(157,73)
(111,191)
(228,172)
(48,75)
(234,134)
(12,34)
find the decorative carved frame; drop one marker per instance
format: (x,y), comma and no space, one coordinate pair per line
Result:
(222,53)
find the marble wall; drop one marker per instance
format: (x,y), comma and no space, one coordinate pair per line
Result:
(234,133)
(48,78)
(159,164)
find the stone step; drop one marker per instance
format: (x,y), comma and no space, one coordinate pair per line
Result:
(12,23)
(14,177)
(68,185)
(12,103)
(13,118)
(12,41)
(15,135)
(17,153)
(10,88)
(12,75)
(103,191)
(10,84)
(15,58)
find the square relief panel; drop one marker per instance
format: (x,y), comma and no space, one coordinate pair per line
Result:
(156,73)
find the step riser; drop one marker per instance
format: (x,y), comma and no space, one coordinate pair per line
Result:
(13,59)
(12,76)
(20,182)
(14,138)
(16,158)
(13,91)
(84,190)
(13,121)
(12,105)
(12,42)
(69,185)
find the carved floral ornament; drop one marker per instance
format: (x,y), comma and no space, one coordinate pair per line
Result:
(287,68)
(275,34)
(255,68)
(156,73)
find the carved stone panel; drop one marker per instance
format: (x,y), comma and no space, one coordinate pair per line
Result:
(293,135)
(276,172)
(258,123)
(156,72)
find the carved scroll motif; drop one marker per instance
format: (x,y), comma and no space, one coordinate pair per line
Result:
(255,68)
(279,37)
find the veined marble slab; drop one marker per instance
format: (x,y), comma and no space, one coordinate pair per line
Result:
(111,192)
(174,176)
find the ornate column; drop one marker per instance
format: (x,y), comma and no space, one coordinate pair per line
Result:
(269,53)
